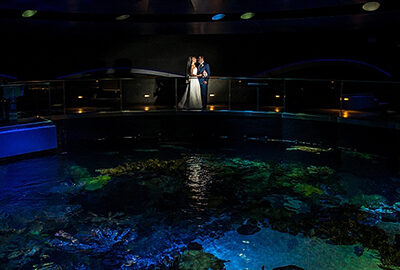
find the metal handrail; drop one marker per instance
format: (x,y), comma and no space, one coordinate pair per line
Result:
(36,82)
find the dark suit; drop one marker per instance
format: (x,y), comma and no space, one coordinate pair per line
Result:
(204,87)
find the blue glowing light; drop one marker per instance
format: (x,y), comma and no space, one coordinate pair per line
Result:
(17,141)
(8,76)
(328,60)
(218,17)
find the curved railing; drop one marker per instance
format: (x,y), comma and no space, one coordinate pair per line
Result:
(355,99)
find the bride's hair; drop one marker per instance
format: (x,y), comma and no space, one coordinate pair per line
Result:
(188,65)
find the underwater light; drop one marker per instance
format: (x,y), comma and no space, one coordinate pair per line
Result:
(29,13)
(212,95)
(277,96)
(247,15)
(146,95)
(371,6)
(218,17)
(122,17)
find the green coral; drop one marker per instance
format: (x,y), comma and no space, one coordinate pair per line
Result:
(199,260)
(82,178)
(168,167)
(308,149)
(78,172)
(307,190)
(322,172)
(94,183)
(368,200)
(359,155)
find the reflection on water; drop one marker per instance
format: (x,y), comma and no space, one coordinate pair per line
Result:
(198,181)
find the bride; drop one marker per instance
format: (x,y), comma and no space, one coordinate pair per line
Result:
(192,97)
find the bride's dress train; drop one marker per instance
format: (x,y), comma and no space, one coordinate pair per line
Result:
(192,97)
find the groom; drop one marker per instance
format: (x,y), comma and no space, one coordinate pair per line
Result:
(204,70)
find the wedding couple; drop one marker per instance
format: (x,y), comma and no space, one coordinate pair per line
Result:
(197,73)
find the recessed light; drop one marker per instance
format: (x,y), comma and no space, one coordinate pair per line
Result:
(212,95)
(146,95)
(218,17)
(247,15)
(122,17)
(29,13)
(371,6)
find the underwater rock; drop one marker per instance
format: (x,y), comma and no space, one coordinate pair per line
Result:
(295,205)
(77,172)
(368,200)
(308,190)
(391,229)
(288,267)
(359,155)
(383,212)
(308,149)
(249,228)
(47,266)
(358,250)
(93,183)
(22,256)
(199,260)
(194,246)
(82,178)
(165,167)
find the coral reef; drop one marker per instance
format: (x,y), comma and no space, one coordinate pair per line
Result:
(167,167)
(172,203)
(199,260)
(82,178)
(98,241)
(309,149)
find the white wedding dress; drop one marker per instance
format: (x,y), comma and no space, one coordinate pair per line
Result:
(192,97)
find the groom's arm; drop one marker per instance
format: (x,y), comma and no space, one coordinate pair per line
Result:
(207,67)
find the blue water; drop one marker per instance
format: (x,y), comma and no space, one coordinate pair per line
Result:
(145,220)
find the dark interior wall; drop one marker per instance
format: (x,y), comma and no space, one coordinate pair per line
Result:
(40,55)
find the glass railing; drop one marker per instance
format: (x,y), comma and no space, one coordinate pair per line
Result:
(378,100)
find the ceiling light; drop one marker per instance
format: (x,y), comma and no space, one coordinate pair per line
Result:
(247,15)
(371,6)
(218,17)
(29,13)
(122,17)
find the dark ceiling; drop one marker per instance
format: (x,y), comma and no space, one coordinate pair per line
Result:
(194,16)
(172,6)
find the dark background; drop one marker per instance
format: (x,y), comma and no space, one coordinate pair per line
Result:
(36,55)
(70,36)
